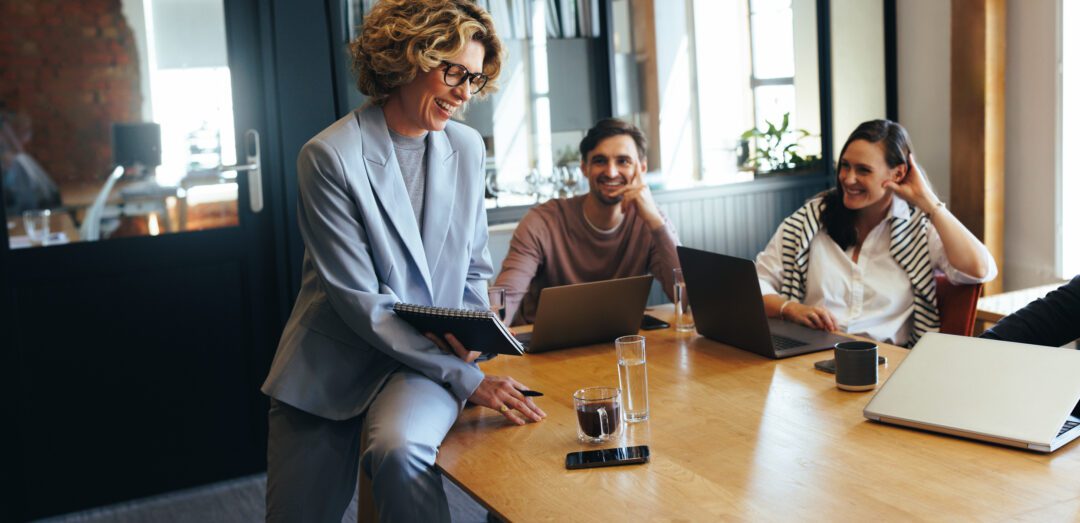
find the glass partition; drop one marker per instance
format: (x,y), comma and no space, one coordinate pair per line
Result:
(121,125)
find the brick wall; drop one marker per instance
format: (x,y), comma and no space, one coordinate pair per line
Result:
(72,66)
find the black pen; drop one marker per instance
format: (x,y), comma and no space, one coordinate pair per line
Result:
(531,393)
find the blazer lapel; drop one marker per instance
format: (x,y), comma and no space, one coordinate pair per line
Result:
(439,195)
(385,176)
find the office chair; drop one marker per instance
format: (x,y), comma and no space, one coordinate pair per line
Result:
(957,305)
(135,144)
(90,230)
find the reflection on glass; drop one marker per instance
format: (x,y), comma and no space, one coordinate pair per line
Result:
(140,61)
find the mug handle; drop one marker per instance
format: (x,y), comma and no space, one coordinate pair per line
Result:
(604,421)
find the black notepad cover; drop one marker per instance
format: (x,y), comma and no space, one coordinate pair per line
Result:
(477,330)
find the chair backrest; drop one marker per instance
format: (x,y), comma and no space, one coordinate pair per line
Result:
(957,304)
(91,226)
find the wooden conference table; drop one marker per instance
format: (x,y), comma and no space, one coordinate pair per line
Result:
(737,436)
(993,308)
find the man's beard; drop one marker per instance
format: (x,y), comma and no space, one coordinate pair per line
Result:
(606,200)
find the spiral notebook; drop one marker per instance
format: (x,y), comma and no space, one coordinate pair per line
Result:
(477,330)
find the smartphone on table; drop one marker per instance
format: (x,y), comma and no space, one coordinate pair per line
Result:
(649,322)
(607,457)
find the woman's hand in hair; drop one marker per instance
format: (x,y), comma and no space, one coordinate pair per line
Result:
(914,188)
(814,317)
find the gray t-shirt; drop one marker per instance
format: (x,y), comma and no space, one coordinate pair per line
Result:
(410,152)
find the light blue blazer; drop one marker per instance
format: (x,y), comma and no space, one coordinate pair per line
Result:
(365,252)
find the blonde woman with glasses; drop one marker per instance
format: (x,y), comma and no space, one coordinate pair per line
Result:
(391,210)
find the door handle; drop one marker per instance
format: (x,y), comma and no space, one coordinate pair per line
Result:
(253,166)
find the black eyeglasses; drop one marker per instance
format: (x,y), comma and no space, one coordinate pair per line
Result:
(456,74)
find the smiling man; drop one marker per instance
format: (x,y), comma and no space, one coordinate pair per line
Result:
(614,231)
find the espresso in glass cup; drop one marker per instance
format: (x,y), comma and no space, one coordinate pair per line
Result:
(599,413)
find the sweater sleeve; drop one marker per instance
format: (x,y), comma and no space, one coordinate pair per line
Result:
(664,258)
(1053,320)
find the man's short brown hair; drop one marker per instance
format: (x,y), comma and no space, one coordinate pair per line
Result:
(607,128)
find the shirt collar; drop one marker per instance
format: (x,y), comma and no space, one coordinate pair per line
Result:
(900,208)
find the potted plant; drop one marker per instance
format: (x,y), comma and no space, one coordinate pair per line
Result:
(776,149)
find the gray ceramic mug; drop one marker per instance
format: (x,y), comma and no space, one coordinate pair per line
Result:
(856,365)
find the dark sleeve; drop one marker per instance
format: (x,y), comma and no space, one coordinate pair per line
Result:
(1053,320)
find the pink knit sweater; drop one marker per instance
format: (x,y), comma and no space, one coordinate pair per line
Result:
(554,245)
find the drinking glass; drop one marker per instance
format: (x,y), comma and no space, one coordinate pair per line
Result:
(598,414)
(497,301)
(684,318)
(633,378)
(36,223)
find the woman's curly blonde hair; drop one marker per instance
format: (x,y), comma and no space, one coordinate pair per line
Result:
(400,38)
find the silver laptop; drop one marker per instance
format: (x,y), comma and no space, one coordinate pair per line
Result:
(587,313)
(1007,393)
(726,300)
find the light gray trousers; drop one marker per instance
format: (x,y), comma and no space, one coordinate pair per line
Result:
(312,461)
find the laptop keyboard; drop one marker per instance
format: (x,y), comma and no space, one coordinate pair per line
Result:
(1068,426)
(784,343)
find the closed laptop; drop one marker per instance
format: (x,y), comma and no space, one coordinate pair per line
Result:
(1002,392)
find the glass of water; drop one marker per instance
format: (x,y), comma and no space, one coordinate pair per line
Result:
(633,380)
(36,223)
(497,301)
(684,319)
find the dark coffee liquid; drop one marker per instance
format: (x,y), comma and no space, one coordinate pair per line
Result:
(590,421)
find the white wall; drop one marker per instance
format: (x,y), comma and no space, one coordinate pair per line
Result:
(1030,116)
(858,67)
(923,76)
(923,84)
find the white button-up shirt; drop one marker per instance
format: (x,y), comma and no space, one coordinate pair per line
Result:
(871,297)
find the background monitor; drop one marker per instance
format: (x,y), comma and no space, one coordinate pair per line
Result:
(136,143)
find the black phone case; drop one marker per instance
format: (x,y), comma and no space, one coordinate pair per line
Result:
(649,323)
(586,464)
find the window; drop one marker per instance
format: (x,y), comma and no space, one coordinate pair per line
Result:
(745,64)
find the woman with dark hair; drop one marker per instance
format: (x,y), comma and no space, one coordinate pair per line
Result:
(391,209)
(885,233)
